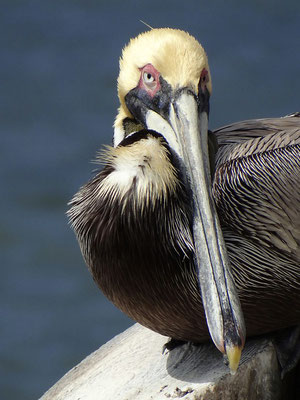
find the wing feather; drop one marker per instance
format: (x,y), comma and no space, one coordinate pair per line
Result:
(257,182)
(256,136)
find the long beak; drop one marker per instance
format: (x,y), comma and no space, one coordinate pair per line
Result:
(219,296)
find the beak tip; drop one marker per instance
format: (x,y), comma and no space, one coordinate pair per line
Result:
(233,355)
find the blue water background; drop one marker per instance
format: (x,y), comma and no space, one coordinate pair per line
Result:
(58,70)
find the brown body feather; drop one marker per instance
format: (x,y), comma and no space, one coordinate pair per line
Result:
(257,192)
(141,255)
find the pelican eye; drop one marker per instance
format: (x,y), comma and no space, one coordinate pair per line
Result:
(149,79)
(204,76)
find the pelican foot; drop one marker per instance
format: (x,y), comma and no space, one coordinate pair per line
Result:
(287,345)
(172,344)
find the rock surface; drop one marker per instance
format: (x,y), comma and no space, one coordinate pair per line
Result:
(132,366)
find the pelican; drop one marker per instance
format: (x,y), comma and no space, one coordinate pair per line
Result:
(192,233)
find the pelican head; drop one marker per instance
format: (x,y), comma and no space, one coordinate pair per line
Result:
(164,86)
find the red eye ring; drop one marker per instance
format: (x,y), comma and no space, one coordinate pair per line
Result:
(204,77)
(203,81)
(149,79)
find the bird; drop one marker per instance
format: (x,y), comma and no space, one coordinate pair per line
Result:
(193,233)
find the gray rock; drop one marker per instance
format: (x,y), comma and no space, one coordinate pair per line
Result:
(132,366)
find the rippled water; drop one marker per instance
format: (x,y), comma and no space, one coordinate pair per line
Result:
(59,63)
